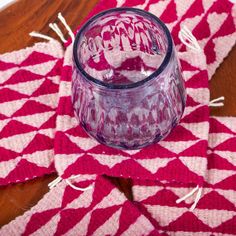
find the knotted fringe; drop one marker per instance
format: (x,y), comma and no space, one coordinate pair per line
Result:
(57,30)
(197,198)
(59,179)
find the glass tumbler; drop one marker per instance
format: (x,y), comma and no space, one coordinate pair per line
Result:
(127,87)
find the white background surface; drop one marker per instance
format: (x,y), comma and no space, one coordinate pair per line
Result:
(3,3)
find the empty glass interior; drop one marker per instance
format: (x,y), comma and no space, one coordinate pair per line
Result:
(122,47)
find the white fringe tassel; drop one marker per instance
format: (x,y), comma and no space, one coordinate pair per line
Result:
(59,179)
(187,38)
(57,30)
(218,102)
(39,35)
(198,196)
(63,21)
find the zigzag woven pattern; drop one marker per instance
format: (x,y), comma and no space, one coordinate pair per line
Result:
(103,210)
(65,211)
(29,81)
(76,153)
(215,213)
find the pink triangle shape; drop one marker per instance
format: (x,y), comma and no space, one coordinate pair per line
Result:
(56,70)
(39,143)
(202,30)
(47,87)
(100,216)
(228,145)
(198,149)
(217,127)
(31,107)
(6,154)
(50,123)
(15,127)
(201,114)
(214,200)
(228,183)
(188,222)
(177,171)
(36,58)
(227,227)
(39,219)
(22,76)
(179,133)
(169,15)
(63,145)
(7,95)
(217,162)
(199,80)
(6,65)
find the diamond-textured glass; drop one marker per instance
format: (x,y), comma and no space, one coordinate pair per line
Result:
(127,87)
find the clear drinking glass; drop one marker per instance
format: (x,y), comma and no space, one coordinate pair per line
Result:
(127,87)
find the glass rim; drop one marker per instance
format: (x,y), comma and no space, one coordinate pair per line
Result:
(131,85)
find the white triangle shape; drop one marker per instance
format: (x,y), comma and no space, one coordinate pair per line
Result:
(82,227)
(229,122)
(131,152)
(158,8)
(35,120)
(6,74)
(189,110)
(109,160)
(200,95)
(48,132)
(8,108)
(50,100)
(51,224)
(3,123)
(188,74)
(228,194)
(213,218)
(120,3)
(8,166)
(191,22)
(190,163)
(66,122)
(18,142)
(17,56)
(142,225)
(216,176)
(110,226)
(117,199)
(54,79)
(170,26)
(215,24)
(48,48)
(63,161)
(141,193)
(83,143)
(215,139)
(40,158)
(26,88)
(42,68)
(229,156)
(207,4)
(154,164)
(194,129)
(177,147)
(165,214)
(83,201)
(182,6)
